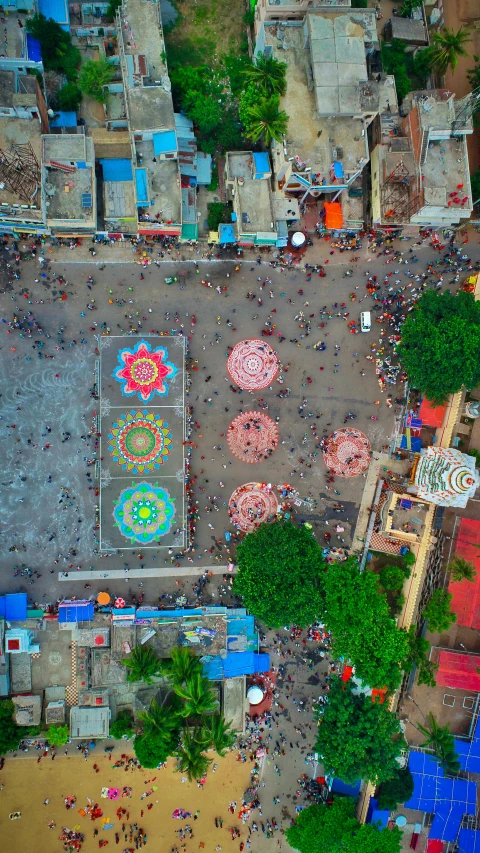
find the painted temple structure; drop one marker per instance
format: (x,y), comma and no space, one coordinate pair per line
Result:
(444,476)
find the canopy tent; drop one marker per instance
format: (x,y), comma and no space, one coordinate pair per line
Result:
(448,799)
(430,414)
(333,215)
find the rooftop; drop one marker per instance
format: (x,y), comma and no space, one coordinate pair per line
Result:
(17,90)
(253,206)
(28,710)
(89,722)
(164,186)
(69,184)
(22,132)
(438,109)
(338,62)
(408,30)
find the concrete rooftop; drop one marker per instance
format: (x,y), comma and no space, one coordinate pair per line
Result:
(22,131)
(338,63)
(254,207)
(164,182)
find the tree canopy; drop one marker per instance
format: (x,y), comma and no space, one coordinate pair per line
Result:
(397,790)
(440,346)
(438,613)
(268,75)
(357,614)
(10,733)
(94,76)
(143,664)
(123,725)
(448,46)
(265,120)
(57,735)
(334,829)
(440,741)
(280,574)
(461,570)
(58,52)
(356,736)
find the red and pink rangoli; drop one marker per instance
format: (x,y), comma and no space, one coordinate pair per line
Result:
(251,504)
(347,452)
(252,437)
(252,364)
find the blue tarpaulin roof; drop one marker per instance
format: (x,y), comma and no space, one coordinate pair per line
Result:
(142,186)
(33,49)
(411,443)
(75,611)
(262,164)
(164,142)
(376,815)
(64,119)
(469,841)
(448,799)
(56,9)
(338,169)
(117,170)
(235,664)
(469,752)
(226,234)
(13,606)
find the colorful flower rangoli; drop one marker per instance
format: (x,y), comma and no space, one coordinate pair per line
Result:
(144,371)
(144,512)
(140,441)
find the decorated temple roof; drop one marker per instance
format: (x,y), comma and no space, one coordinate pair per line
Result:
(445,476)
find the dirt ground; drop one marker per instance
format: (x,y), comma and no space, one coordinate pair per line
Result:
(71,775)
(206,30)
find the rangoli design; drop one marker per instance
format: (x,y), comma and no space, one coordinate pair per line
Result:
(252,504)
(144,371)
(140,441)
(144,512)
(347,452)
(252,364)
(252,437)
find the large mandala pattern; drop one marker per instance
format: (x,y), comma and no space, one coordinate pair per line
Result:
(140,441)
(144,512)
(252,364)
(144,371)
(252,437)
(250,505)
(347,452)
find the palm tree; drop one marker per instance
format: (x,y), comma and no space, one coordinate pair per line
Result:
(461,570)
(269,75)
(183,665)
(197,695)
(447,47)
(159,720)
(440,741)
(190,756)
(218,733)
(143,664)
(266,119)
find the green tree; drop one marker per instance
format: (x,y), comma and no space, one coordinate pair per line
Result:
(280,574)
(112,9)
(266,121)
(408,561)
(10,733)
(475,185)
(334,829)
(57,735)
(419,650)
(447,46)
(190,756)
(421,63)
(440,346)
(441,743)
(357,614)
(438,613)
(183,664)
(219,733)
(408,6)
(268,75)
(392,577)
(218,213)
(143,664)
(123,725)
(161,726)
(58,52)
(461,570)
(197,695)
(357,738)
(248,99)
(151,751)
(94,76)
(394,62)
(397,790)
(69,97)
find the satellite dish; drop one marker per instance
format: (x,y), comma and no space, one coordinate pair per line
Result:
(255,695)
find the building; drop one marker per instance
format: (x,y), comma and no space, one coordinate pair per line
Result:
(332,99)
(86,723)
(69,193)
(292,10)
(247,183)
(444,476)
(409,30)
(420,173)
(28,710)
(150,117)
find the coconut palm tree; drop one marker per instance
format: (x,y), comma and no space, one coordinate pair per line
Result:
(461,570)
(198,697)
(447,47)
(183,664)
(143,664)
(269,75)
(218,733)
(440,741)
(190,756)
(159,720)
(266,120)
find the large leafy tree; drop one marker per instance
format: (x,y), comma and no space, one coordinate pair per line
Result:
(418,655)
(335,829)
(94,76)
(440,346)
(58,52)
(123,725)
(440,741)
(265,120)
(151,751)
(10,733)
(397,790)
(358,738)
(143,664)
(280,575)
(357,614)
(448,46)
(268,75)
(438,613)
(191,758)
(161,727)
(57,735)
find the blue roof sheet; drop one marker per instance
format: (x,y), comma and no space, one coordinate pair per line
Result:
(235,664)
(33,49)
(469,752)
(75,611)
(142,186)
(204,168)
(337,169)
(226,234)
(261,162)
(64,119)
(164,142)
(13,606)
(469,841)
(448,799)
(56,9)
(117,170)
